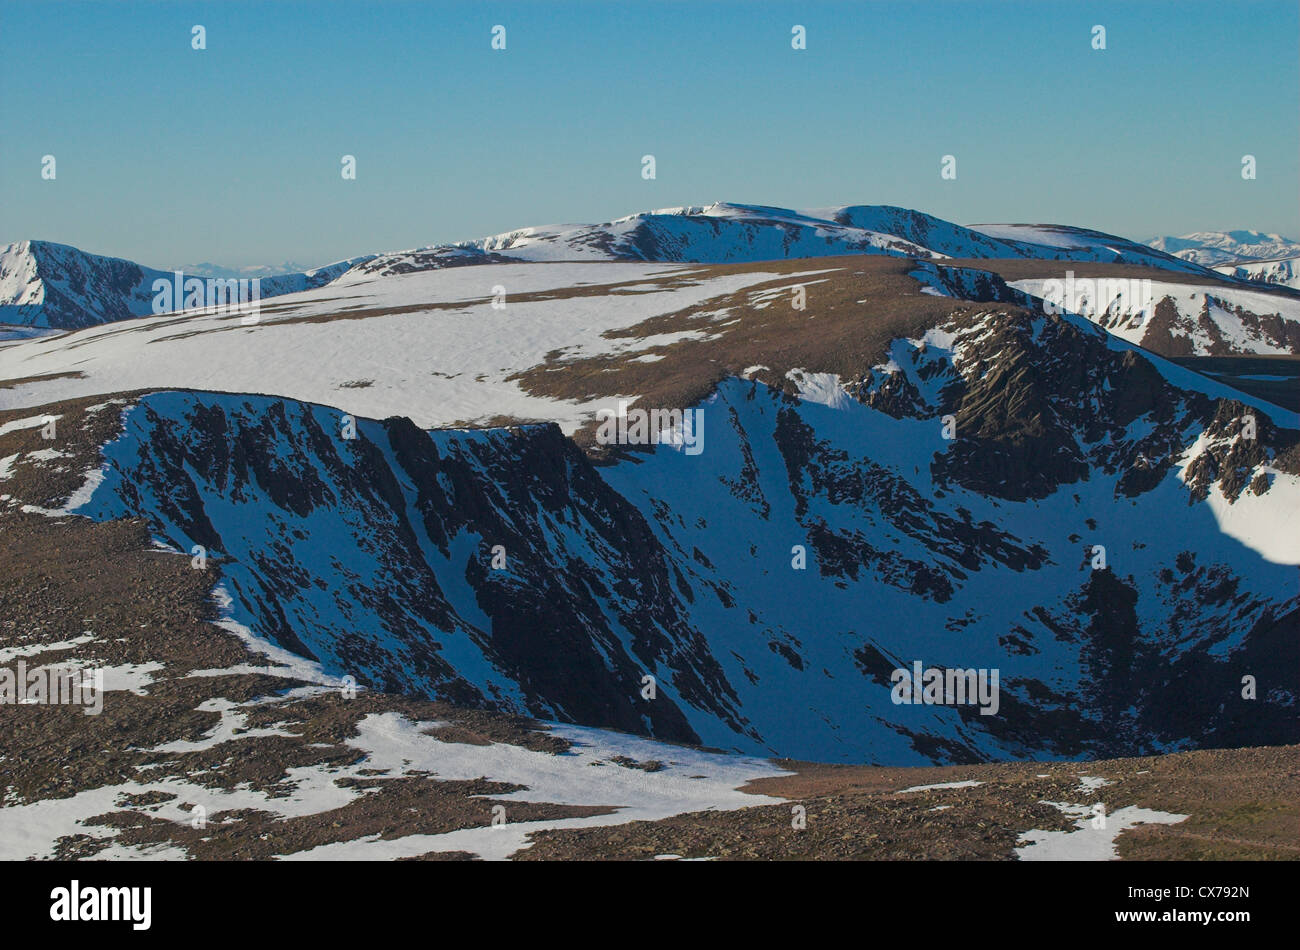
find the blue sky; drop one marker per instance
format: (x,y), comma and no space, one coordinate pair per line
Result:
(167,155)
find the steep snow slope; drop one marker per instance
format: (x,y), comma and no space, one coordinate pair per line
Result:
(53,285)
(375,555)
(287,762)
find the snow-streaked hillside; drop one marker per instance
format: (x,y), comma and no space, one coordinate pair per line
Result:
(1067,243)
(1189,319)
(444,347)
(827,534)
(1284,272)
(54,285)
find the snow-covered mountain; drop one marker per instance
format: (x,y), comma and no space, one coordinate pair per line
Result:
(53,285)
(828,533)
(724,232)
(1212,248)
(49,285)
(978,552)
(1067,243)
(1244,255)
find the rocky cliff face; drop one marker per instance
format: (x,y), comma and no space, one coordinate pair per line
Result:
(52,285)
(1011,492)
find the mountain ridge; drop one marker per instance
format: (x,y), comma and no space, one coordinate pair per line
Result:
(680,568)
(49,285)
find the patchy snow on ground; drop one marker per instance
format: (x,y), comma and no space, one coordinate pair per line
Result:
(937,785)
(31,422)
(233,724)
(1087,842)
(688,781)
(1090,783)
(35,649)
(395,746)
(122,677)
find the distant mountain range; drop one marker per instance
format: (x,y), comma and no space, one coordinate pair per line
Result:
(1212,248)
(1195,310)
(1221,250)
(1244,255)
(209,269)
(43,284)
(1284,272)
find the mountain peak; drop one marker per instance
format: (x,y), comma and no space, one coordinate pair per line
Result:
(44,284)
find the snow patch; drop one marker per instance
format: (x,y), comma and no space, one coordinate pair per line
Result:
(1086,842)
(926,788)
